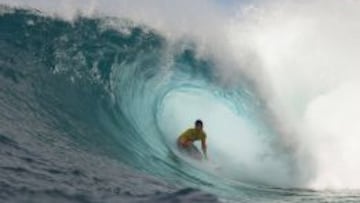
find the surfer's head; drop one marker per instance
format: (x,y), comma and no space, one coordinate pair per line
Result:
(199,124)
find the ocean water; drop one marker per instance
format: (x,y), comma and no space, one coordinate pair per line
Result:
(91,105)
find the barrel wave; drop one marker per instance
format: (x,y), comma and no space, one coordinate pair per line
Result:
(90,111)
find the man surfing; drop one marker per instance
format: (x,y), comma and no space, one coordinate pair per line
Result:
(186,139)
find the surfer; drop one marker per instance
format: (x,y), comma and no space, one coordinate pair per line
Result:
(186,139)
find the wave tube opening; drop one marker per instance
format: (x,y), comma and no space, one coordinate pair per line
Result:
(237,148)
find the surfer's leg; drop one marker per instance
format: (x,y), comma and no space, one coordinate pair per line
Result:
(185,147)
(181,146)
(195,152)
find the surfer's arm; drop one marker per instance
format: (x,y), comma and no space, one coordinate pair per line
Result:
(203,147)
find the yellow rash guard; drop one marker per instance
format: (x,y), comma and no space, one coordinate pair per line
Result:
(192,135)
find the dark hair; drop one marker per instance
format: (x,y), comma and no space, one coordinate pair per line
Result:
(198,122)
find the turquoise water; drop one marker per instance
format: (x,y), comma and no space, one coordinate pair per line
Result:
(89,113)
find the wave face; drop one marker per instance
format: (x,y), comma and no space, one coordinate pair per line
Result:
(90,111)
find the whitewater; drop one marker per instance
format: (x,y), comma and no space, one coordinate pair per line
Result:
(93,95)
